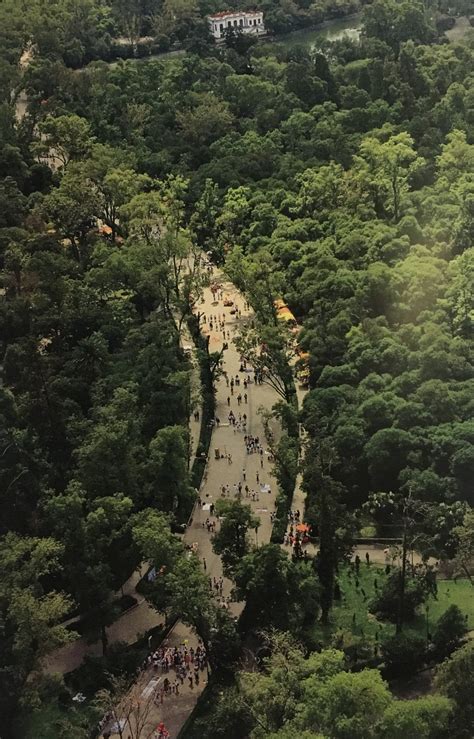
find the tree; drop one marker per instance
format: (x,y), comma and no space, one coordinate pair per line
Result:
(31,615)
(67,137)
(130,17)
(157,544)
(449,631)
(231,541)
(187,588)
(209,119)
(386,168)
(229,717)
(387,451)
(156,219)
(386,604)
(204,219)
(115,187)
(95,550)
(403,654)
(457,157)
(167,469)
(464,535)
(333,525)
(267,349)
(274,695)
(127,703)
(394,22)
(422,718)
(455,680)
(347,704)
(72,209)
(259,281)
(279,593)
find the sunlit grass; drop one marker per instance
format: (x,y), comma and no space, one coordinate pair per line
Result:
(351,613)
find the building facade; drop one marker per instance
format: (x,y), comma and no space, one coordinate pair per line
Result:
(250,22)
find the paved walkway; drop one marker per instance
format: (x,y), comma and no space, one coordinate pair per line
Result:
(175,709)
(244,468)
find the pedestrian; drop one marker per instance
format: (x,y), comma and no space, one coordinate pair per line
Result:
(261,462)
(204,563)
(244,475)
(367,559)
(228,400)
(245,397)
(257,476)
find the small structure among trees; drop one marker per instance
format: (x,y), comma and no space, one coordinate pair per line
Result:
(248,22)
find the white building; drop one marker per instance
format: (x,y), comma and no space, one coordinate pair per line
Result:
(250,21)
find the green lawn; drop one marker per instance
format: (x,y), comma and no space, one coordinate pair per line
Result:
(351,614)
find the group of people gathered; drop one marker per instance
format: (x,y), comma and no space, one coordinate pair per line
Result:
(186,663)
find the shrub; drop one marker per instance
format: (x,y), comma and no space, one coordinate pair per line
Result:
(385,604)
(403,654)
(449,632)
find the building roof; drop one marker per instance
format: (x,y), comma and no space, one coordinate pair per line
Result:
(228,13)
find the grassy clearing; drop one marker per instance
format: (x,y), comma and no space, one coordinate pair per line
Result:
(351,613)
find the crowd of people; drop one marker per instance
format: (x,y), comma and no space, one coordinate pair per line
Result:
(178,664)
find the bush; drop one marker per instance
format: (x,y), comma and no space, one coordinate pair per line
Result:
(122,51)
(385,604)
(449,632)
(162,43)
(95,672)
(445,23)
(404,654)
(144,49)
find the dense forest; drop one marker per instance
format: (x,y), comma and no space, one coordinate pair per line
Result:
(340,179)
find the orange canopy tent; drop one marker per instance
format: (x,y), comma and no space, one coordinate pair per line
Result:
(303,528)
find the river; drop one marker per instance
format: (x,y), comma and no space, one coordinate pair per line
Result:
(333,30)
(349,27)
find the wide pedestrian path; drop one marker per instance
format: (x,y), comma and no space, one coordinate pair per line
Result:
(251,470)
